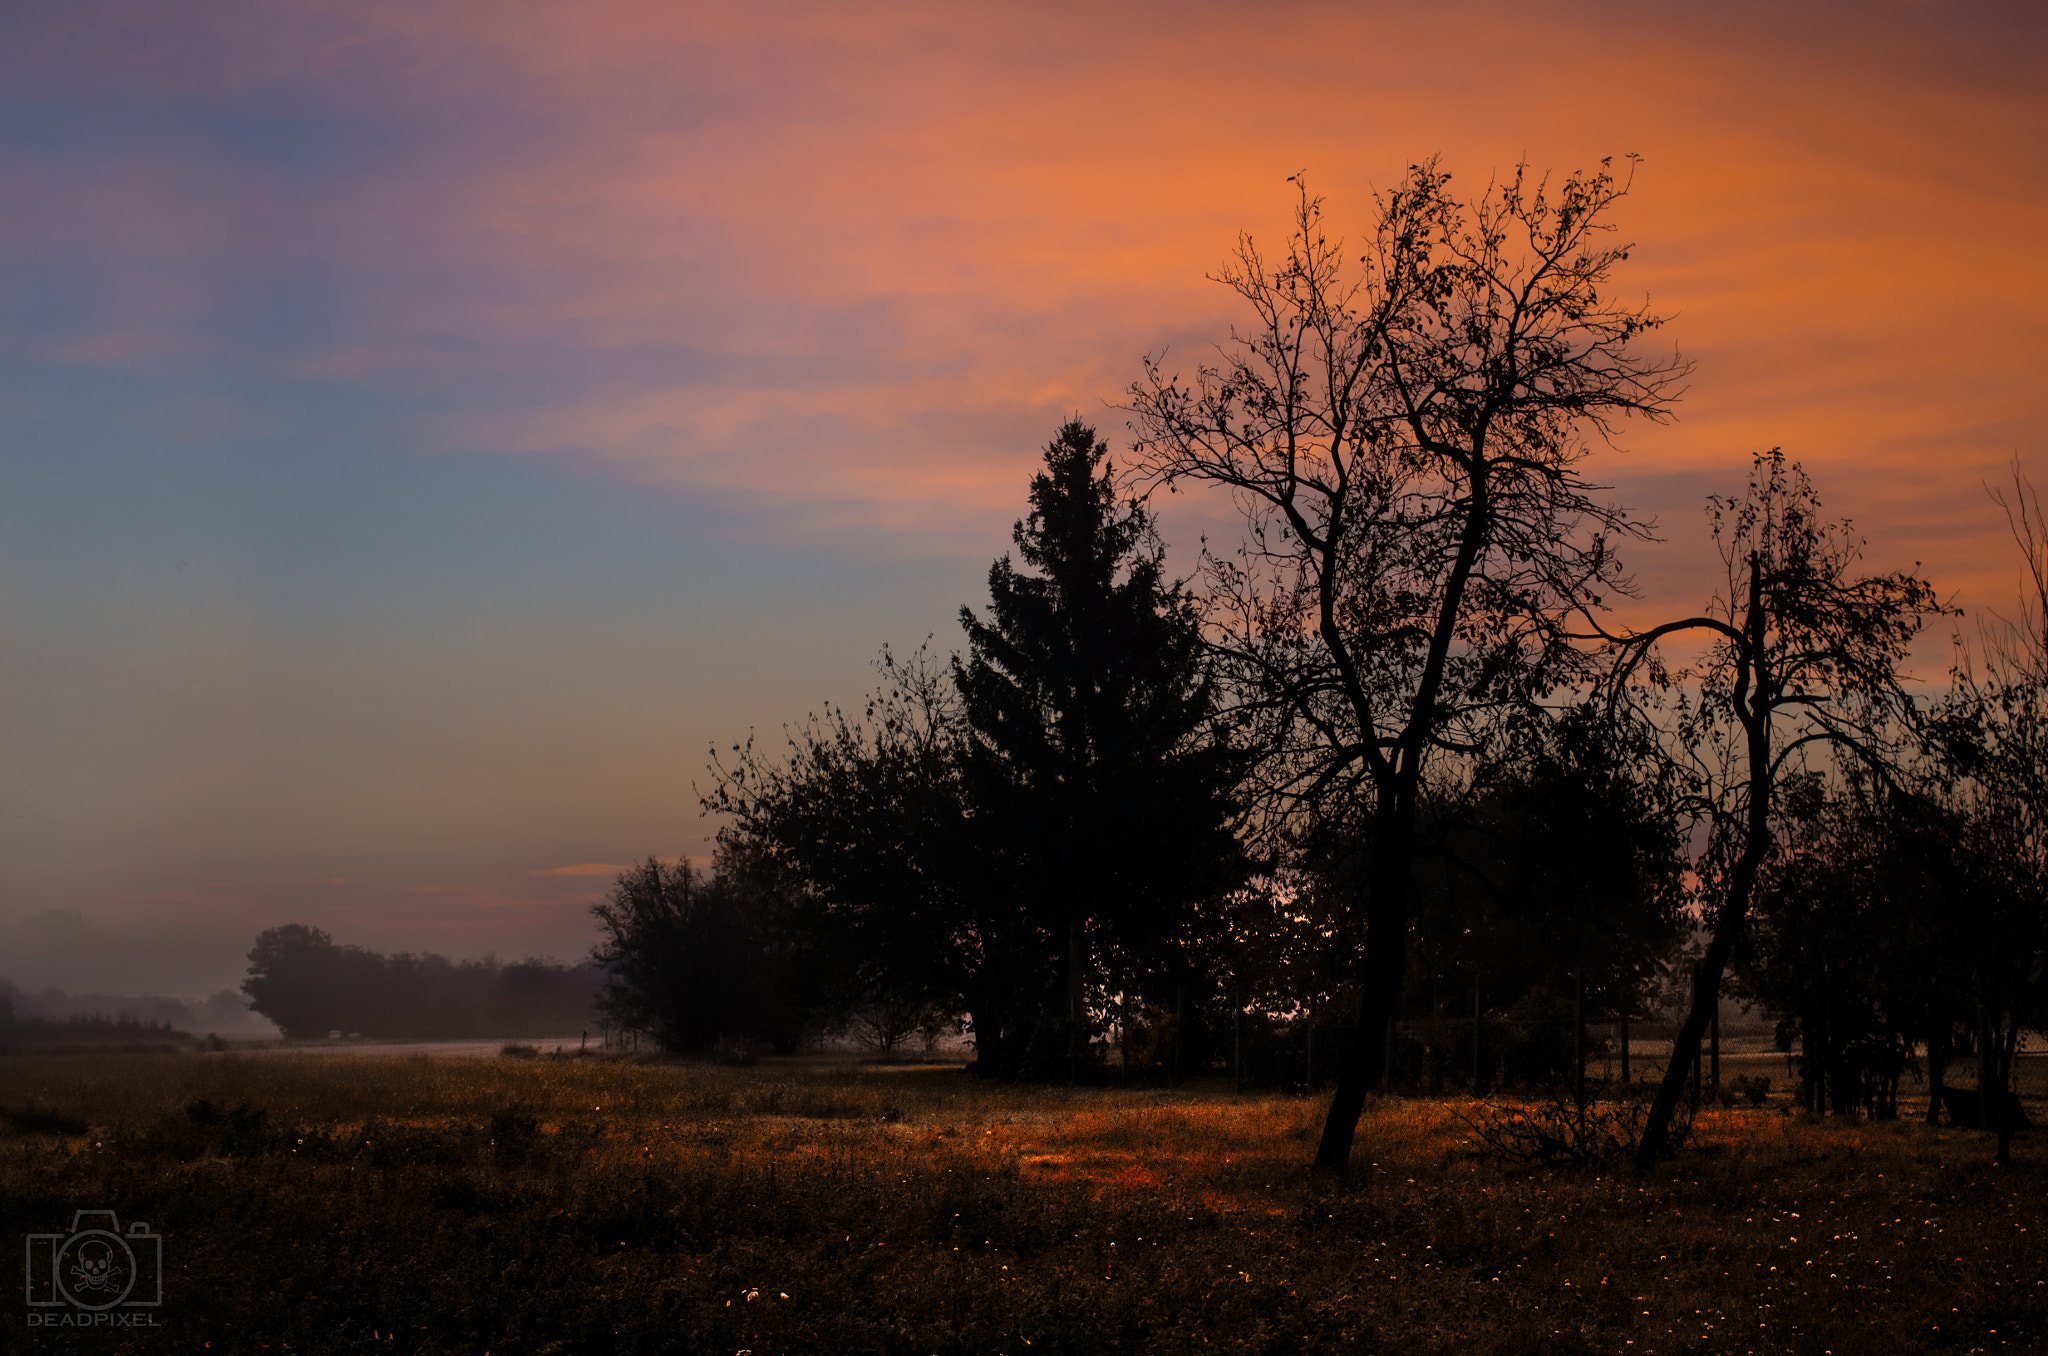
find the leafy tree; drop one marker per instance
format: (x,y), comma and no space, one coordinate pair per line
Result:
(1408,447)
(687,962)
(1803,654)
(859,832)
(1555,876)
(1100,785)
(1004,835)
(1994,746)
(1849,939)
(300,979)
(306,983)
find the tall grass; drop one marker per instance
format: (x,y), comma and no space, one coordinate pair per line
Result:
(566,1205)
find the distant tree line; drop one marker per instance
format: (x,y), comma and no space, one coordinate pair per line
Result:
(225,1012)
(301,979)
(1388,756)
(30,1033)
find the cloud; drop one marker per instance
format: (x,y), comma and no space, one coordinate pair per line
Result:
(581,869)
(858,268)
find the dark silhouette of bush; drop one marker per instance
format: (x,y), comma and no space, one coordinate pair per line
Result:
(306,983)
(689,963)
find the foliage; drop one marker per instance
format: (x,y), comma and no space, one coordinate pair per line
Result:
(1101,788)
(1562,1132)
(686,961)
(1016,834)
(306,983)
(1991,742)
(858,833)
(1752,1088)
(1803,654)
(1557,865)
(1850,936)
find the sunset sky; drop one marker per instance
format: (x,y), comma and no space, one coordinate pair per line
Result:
(427,427)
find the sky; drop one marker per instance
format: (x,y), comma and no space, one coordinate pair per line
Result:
(427,428)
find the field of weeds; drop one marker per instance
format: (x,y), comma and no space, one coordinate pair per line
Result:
(593,1205)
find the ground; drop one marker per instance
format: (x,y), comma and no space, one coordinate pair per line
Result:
(446,1204)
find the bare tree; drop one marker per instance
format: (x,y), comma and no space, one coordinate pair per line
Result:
(1406,444)
(1998,720)
(1801,655)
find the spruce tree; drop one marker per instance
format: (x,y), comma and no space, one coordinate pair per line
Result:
(1101,788)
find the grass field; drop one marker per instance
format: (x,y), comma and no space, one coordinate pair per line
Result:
(414,1204)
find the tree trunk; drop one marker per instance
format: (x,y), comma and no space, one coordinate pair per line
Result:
(1076,1002)
(2005,1091)
(1937,1069)
(1308,1073)
(1436,1040)
(1236,1050)
(1714,1045)
(1706,998)
(1123,1033)
(1180,1013)
(1579,1041)
(1755,716)
(1693,1098)
(1380,968)
(1841,1077)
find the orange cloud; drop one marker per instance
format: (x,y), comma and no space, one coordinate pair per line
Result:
(879,252)
(856,263)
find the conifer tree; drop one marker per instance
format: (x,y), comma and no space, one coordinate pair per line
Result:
(1102,790)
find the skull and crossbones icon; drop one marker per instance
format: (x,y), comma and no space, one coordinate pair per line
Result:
(93,1269)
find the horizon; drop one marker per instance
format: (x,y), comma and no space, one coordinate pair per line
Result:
(428,434)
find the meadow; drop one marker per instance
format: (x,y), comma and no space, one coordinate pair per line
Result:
(544,1204)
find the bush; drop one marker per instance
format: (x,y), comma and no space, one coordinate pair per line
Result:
(1755,1089)
(1559,1132)
(32,1121)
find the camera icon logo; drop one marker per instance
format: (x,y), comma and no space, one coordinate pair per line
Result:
(96,1266)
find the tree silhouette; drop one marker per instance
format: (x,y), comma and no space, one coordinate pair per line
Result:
(859,833)
(1100,787)
(1002,834)
(1850,933)
(1407,447)
(306,983)
(687,962)
(296,979)
(1555,870)
(1802,655)
(1990,778)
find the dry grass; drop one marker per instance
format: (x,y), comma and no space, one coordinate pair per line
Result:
(525,1205)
